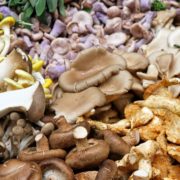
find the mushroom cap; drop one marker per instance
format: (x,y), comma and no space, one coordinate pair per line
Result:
(91,67)
(30,154)
(117,84)
(56,168)
(87,175)
(91,156)
(16,169)
(72,105)
(7,21)
(13,61)
(135,61)
(174,37)
(29,100)
(174,151)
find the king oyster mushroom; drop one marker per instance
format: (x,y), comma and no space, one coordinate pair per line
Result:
(29,100)
(91,68)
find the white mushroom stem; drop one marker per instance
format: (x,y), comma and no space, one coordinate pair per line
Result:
(80,134)
(140,175)
(6,40)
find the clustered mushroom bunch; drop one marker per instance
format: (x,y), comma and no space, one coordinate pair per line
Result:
(112,24)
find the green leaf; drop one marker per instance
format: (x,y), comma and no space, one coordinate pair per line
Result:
(33,2)
(11,3)
(88,10)
(52,5)
(27,13)
(40,7)
(43,18)
(158,5)
(62,8)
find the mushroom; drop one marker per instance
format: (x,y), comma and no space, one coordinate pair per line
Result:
(88,153)
(173,38)
(72,105)
(55,169)
(107,170)
(64,134)
(87,175)
(85,73)
(41,151)
(32,103)
(174,151)
(5,25)
(113,11)
(13,61)
(16,169)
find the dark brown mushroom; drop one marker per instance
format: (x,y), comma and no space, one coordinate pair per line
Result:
(15,169)
(56,169)
(107,170)
(41,151)
(91,67)
(63,136)
(87,153)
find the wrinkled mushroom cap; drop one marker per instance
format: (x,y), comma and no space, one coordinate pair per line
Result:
(91,68)
(72,105)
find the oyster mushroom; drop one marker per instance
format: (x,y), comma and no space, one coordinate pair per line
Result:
(72,105)
(16,169)
(56,169)
(32,103)
(85,73)
(13,61)
(174,151)
(174,38)
(88,153)
(41,151)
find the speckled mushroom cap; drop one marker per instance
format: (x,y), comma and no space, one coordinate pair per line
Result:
(79,159)
(16,169)
(56,169)
(91,67)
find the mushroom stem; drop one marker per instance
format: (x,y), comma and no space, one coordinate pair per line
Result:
(41,142)
(80,134)
(62,124)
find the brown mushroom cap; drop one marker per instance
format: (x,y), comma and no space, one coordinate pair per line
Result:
(72,105)
(135,61)
(29,100)
(117,84)
(16,169)
(90,68)
(13,61)
(87,175)
(107,170)
(56,169)
(91,156)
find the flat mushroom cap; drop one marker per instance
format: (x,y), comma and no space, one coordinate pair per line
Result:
(90,68)
(29,100)
(16,169)
(13,61)
(135,61)
(56,168)
(117,84)
(72,105)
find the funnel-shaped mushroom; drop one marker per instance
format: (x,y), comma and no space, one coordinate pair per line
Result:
(91,68)
(30,100)
(72,105)
(15,169)
(13,61)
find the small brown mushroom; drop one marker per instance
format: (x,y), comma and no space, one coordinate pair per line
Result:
(85,73)
(72,105)
(41,151)
(87,153)
(107,170)
(16,169)
(87,175)
(56,169)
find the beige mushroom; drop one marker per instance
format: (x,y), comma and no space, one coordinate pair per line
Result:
(72,105)
(174,37)
(29,100)
(91,68)
(174,151)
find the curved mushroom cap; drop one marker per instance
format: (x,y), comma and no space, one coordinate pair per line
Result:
(16,169)
(91,67)
(87,175)
(174,38)
(92,155)
(56,169)
(13,61)
(29,100)
(135,61)
(31,154)
(174,151)
(72,105)
(117,84)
